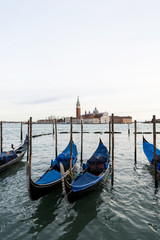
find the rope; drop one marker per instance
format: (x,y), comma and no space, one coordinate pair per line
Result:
(71,175)
(77,175)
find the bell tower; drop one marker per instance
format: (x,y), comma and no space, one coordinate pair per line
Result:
(78,108)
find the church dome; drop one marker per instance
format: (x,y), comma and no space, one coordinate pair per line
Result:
(95,111)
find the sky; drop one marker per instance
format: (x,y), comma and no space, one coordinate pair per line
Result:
(106,52)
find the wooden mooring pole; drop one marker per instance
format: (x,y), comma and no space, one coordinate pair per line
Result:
(30,145)
(56,152)
(155,156)
(1,136)
(21,138)
(71,141)
(53,128)
(112,149)
(81,141)
(128,129)
(109,138)
(135,142)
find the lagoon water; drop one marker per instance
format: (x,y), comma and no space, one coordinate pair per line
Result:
(129,210)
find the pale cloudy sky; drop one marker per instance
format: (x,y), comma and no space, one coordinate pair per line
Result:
(106,52)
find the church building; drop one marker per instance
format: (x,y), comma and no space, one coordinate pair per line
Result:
(94,117)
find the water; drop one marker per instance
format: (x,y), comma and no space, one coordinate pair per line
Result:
(131,210)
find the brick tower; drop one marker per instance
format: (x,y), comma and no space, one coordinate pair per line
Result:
(78,108)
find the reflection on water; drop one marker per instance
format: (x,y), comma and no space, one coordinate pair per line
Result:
(13,170)
(85,211)
(129,210)
(44,213)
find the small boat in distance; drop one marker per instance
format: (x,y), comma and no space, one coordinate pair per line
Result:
(52,178)
(8,159)
(148,149)
(94,171)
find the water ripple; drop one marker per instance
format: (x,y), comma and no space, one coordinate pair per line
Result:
(129,210)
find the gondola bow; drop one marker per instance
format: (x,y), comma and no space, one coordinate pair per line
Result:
(148,149)
(52,178)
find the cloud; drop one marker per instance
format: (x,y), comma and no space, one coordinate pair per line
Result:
(43,100)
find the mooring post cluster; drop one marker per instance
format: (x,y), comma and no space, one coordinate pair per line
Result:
(111,143)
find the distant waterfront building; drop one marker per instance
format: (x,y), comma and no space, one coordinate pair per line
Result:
(95,111)
(122,119)
(94,117)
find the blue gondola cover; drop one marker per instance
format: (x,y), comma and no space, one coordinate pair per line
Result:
(95,165)
(7,156)
(84,181)
(49,177)
(100,155)
(64,158)
(148,149)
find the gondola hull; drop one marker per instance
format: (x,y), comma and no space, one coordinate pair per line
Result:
(71,196)
(19,151)
(44,185)
(94,172)
(37,191)
(8,165)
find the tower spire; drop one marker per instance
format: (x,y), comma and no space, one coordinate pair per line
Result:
(78,108)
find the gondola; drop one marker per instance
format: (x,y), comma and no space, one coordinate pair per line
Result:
(94,171)
(8,159)
(148,149)
(52,178)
